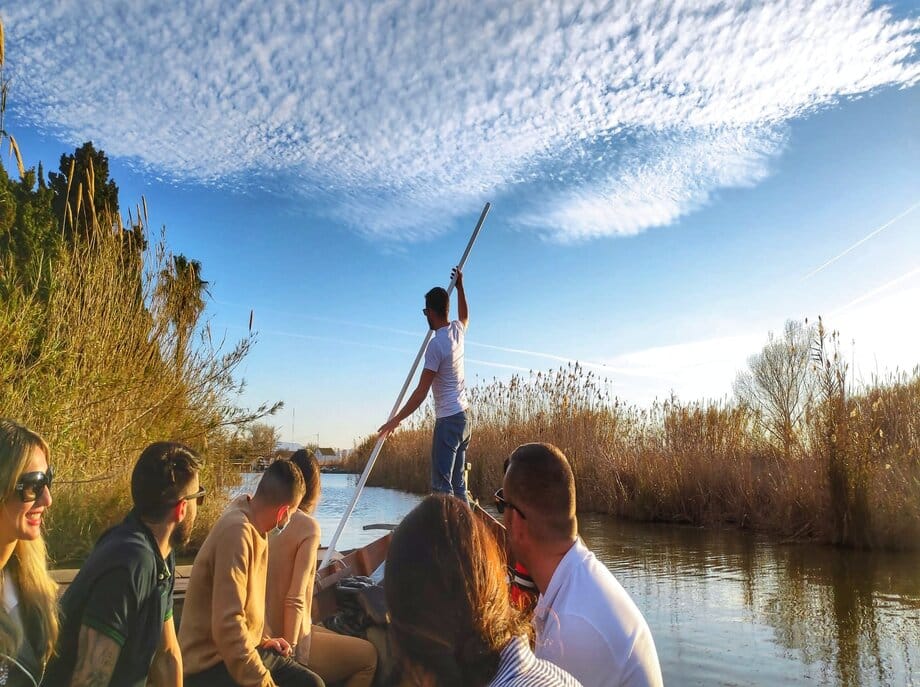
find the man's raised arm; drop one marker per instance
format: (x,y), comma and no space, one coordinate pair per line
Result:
(463,313)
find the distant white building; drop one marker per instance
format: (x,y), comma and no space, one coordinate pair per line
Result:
(326,456)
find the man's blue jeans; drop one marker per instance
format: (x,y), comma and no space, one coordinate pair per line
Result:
(448,454)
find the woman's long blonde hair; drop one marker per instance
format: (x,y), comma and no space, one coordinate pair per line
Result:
(29,562)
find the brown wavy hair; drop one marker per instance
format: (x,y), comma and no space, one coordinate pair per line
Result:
(29,562)
(309,467)
(448,597)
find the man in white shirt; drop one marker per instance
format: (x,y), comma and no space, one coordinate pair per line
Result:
(444,375)
(585,621)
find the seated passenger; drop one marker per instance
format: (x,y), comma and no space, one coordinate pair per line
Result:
(584,620)
(117,613)
(28,614)
(222,634)
(451,619)
(291,571)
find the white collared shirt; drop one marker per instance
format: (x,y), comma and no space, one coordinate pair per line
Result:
(587,624)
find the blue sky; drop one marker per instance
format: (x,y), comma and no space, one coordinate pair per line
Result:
(669,184)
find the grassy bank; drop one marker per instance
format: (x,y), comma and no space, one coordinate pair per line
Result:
(104,347)
(847,471)
(98,359)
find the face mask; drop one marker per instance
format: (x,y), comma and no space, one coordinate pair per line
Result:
(279,528)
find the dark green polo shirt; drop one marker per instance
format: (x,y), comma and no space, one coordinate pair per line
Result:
(125,591)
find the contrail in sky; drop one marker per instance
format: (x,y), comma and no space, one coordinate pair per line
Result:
(316,318)
(505,349)
(364,344)
(862,240)
(874,292)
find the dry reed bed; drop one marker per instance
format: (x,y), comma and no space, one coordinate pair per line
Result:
(701,462)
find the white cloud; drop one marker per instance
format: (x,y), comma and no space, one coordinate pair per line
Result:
(400,115)
(878,335)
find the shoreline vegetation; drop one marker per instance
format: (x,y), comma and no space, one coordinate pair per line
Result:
(800,451)
(104,344)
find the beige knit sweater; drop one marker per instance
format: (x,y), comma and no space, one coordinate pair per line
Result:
(291,569)
(224,614)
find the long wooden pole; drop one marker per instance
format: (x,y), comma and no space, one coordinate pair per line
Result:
(399,400)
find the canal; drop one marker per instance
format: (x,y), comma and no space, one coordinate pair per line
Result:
(728,607)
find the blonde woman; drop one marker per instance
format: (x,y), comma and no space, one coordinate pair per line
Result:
(28,604)
(291,569)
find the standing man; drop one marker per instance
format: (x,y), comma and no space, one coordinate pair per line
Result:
(585,621)
(223,638)
(444,375)
(118,624)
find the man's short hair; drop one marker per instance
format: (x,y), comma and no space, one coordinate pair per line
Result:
(539,480)
(160,478)
(437,300)
(281,484)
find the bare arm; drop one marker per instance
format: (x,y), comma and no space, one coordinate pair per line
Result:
(463,312)
(415,400)
(299,599)
(97,655)
(166,668)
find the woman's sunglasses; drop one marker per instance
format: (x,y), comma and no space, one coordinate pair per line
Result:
(31,484)
(501,503)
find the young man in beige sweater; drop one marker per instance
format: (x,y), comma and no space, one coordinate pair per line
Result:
(222,633)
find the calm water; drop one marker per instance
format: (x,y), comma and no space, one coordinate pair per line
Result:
(376,506)
(728,607)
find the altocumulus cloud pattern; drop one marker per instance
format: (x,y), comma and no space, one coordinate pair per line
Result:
(609,117)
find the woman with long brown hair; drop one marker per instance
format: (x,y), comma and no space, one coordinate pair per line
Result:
(452,623)
(28,611)
(289,594)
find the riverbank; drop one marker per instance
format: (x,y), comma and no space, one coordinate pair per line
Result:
(851,476)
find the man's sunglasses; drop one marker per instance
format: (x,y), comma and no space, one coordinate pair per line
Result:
(198,496)
(501,503)
(31,484)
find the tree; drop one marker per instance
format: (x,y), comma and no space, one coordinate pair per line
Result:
(263,439)
(183,290)
(28,239)
(84,171)
(779,383)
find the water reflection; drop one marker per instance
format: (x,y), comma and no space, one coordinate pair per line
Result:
(729,607)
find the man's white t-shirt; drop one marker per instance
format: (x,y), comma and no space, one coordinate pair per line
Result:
(587,624)
(444,356)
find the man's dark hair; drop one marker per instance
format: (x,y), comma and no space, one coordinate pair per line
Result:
(160,478)
(437,300)
(539,480)
(281,484)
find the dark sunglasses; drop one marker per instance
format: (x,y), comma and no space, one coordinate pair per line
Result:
(501,503)
(198,496)
(31,484)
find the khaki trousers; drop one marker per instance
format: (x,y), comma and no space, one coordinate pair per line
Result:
(340,658)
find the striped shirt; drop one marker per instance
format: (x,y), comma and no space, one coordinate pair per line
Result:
(518,667)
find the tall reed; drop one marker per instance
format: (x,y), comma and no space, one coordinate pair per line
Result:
(699,462)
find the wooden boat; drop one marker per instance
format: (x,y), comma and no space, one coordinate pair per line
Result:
(361,561)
